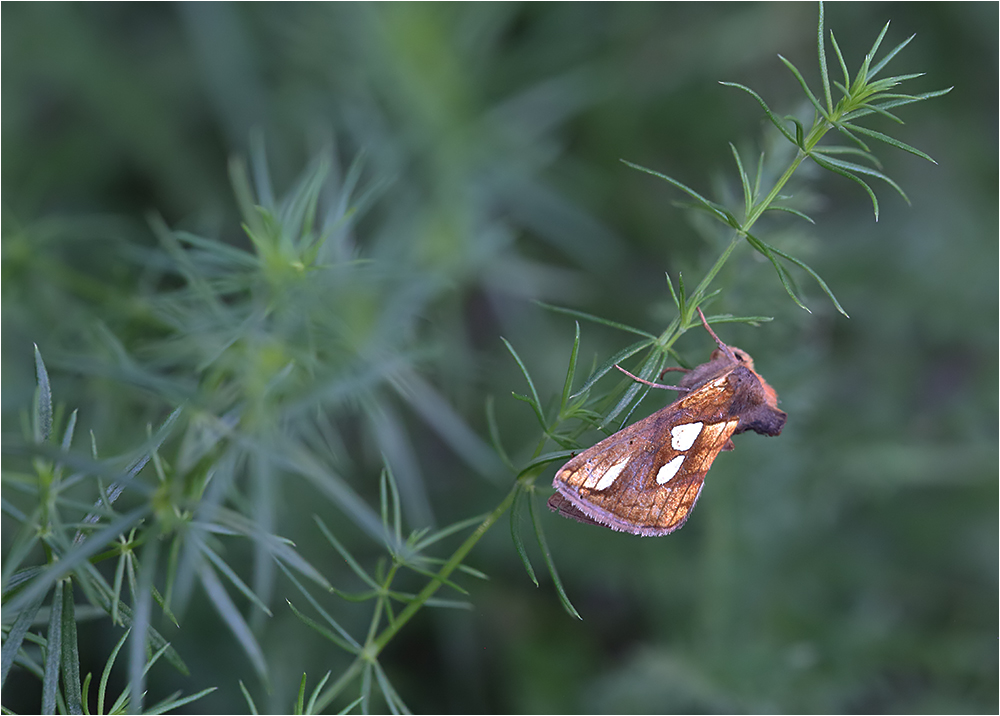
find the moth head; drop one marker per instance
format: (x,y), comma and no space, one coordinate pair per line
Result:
(754,401)
(742,357)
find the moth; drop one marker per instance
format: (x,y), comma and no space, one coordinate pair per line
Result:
(645,478)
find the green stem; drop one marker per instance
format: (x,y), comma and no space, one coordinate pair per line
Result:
(339,685)
(813,138)
(761,207)
(702,288)
(382,603)
(373,648)
(375,645)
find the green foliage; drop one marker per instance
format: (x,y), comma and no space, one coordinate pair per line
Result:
(281,417)
(256,331)
(864,96)
(27,588)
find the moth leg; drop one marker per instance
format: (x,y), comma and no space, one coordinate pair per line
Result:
(674,367)
(636,378)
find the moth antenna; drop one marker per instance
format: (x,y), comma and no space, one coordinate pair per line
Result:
(652,385)
(722,346)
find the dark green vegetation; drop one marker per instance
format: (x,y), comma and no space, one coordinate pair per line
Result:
(425,172)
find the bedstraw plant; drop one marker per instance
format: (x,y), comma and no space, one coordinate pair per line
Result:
(270,364)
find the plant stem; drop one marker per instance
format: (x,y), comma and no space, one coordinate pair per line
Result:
(374,645)
(762,206)
(812,139)
(339,685)
(450,566)
(702,288)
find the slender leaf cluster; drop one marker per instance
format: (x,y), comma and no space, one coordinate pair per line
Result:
(260,350)
(72,551)
(392,607)
(863,96)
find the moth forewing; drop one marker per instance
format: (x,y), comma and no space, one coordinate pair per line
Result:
(654,485)
(646,478)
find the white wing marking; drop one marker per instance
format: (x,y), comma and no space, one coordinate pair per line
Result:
(683,436)
(667,472)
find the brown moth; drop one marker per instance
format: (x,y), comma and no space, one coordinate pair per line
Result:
(645,478)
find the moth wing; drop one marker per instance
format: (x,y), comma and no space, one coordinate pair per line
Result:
(646,478)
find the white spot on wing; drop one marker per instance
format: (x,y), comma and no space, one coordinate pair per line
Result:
(611,475)
(667,472)
(683,436)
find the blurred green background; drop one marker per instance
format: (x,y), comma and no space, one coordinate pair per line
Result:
(848,566)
